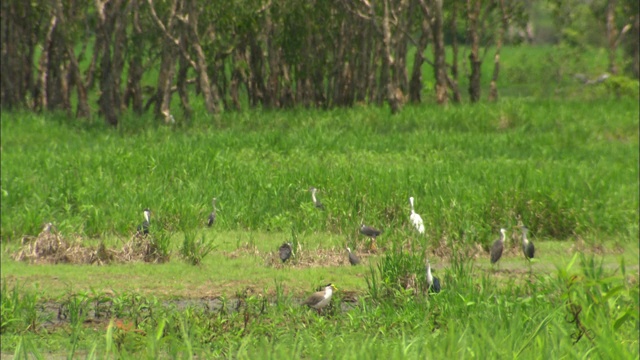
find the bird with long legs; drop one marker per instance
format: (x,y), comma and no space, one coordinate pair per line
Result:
(320,299)
(372,233)
(212,217)
(353,258)
(316,202)
(498,247)
(527,246)
(143,229)
(416,219)
(433,283)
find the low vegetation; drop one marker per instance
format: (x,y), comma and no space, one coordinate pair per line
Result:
(568,170)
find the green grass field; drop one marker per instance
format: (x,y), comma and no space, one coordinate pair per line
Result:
(568,168)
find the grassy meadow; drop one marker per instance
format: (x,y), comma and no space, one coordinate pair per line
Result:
(569,169)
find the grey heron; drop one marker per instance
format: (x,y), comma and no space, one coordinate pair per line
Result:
(415,218)
(285,251)
(433,282)
(498,247)
(316,202)
(144,227)
(320,299)
(212,216)
(527,246)
(353,258)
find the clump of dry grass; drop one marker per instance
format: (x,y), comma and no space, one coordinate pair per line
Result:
(141,248)
(50,247)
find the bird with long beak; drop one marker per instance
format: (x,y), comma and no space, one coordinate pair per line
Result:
(415,218)
(212,216)
(433,283)
(498,247)
(353,258)
(316,202)
(144,227)
(527,246)
(320,299)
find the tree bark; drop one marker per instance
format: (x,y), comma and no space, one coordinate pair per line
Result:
(493,87)
(612,35)
(456,97)
(415,85)
(210,99)
(473,13)
(437,26)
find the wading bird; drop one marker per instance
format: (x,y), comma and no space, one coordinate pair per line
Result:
(144,227)
(371,233)
(353,258)
(433,282)
(498,247)
(212,216)
(416,219)
(527,246)
(320,299)
(285,251)
(316,202)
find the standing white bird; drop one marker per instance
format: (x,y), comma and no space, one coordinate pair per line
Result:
(416,219)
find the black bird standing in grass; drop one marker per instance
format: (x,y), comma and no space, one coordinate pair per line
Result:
(433,282)
(316,202)
(144,227)
(527,246)
(371,233)
(285,251)
(353,258)
(498,247)
(212,216)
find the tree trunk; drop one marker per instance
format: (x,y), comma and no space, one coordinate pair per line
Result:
(181,85)
(439,66)
(415,85)
(493,87)
(456,97)
(210,99)
(612,35)
(133,91)
(473,12)
(393,93)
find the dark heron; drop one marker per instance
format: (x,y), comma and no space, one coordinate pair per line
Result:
(498,246)
(285,251)
(433,282)
(371,233)
(416,219)
(320,299)
(212,216)
(353,258)
(316,202)
(527,246)
(144,227)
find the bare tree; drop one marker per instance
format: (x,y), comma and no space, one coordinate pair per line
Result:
(493,87)
(473,15)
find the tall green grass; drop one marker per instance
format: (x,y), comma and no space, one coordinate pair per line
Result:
(569,169)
